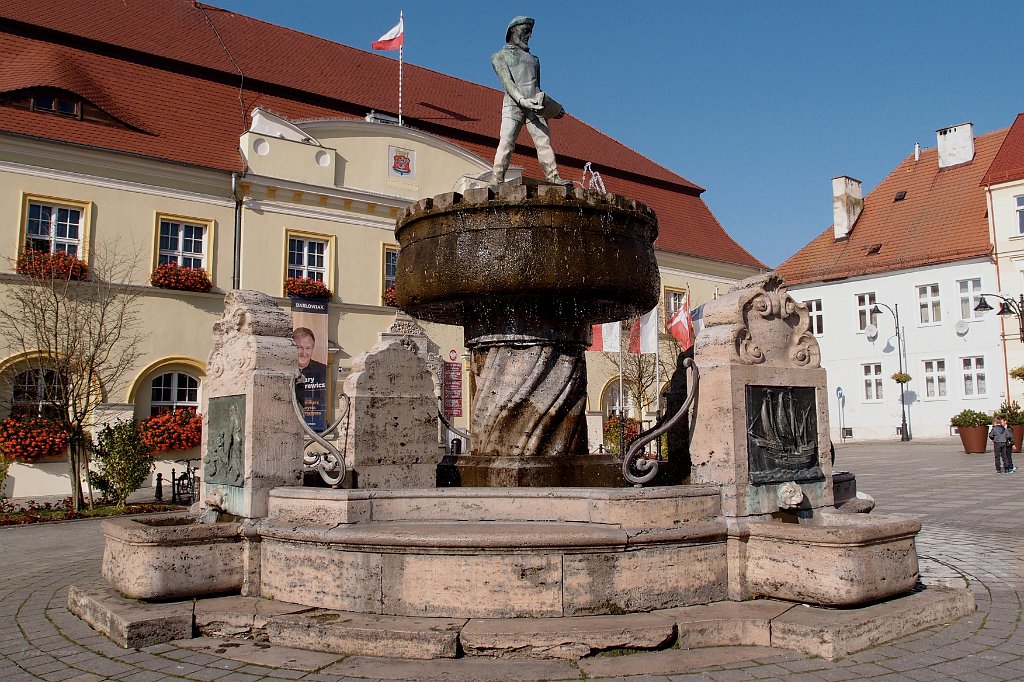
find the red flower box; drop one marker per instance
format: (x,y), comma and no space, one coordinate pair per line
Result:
(390,298)
(46,265)
(29,439)
(175,430)
(306,288)
(173,276)
(618,427)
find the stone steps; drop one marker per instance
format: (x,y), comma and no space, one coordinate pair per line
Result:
(829,633)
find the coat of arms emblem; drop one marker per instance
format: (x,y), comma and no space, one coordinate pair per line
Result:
(401,163)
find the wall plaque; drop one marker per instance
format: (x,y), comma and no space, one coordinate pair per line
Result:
(224,463)
(782,434)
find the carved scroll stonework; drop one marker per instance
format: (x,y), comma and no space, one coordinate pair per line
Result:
(763,412)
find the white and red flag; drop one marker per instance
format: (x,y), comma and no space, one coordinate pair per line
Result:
(607,337)
(643,335)
(393,39)
(680,326)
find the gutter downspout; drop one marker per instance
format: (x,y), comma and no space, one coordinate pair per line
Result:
(236,264)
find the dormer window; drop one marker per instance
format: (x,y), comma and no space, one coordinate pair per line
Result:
(57,104)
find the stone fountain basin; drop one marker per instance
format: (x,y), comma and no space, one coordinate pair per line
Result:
(835,560)
(168,556)
(558,252)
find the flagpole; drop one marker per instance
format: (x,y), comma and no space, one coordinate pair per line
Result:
(401,20)
(622,402)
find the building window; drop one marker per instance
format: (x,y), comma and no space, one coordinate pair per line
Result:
(57,104)
(969,298)
(36,393)
(935,378)
(174,391)
(53,227)
(865,302)
(182,243)
(928,303)
(674,300)
(390,266)
(612,404)
(307,258)
(814,312)
(1020,215)
(974,376)
(873,381)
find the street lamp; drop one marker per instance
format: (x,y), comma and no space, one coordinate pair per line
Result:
(1007,307)
(895,311)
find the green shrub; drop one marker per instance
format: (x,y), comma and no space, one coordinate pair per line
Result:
(971,418)
(123,460)
(1011,410)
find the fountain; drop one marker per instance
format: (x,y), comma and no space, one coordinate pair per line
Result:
(528,524)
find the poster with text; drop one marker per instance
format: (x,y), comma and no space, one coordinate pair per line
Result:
(309,325)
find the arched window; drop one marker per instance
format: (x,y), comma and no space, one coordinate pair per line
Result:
(36,393)
(174,391)
(612,403)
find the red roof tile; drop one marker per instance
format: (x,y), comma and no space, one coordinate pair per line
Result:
(943,218)
(1009,162)
(162,82)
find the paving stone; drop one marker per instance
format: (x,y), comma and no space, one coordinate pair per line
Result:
(257,653)
(671,661)
(464,670)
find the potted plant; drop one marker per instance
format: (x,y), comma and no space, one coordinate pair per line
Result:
(306,287)
(1011,410)
(620,430)
(901,378)
(1017,373)
(973,429)
(46,265)
(173,276)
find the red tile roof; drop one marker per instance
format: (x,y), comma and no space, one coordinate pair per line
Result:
(1009,162)
(943,218)
(161,82)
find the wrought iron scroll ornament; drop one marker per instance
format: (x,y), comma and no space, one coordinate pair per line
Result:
(330,464)
(636,468)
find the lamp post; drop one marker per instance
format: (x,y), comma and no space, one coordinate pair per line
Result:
(1007,307)
(895,311)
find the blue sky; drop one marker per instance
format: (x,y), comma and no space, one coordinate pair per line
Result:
(762,103)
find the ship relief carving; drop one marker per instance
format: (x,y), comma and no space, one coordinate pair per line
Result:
(782,434)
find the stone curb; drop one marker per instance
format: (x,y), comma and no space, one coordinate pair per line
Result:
(828,633)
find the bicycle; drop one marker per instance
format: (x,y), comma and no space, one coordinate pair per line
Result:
(185,486)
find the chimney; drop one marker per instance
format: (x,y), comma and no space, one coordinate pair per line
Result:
(917,151)
(956,144)
(847,203)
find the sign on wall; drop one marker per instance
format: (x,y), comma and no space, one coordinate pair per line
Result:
(401,163)
(452,389)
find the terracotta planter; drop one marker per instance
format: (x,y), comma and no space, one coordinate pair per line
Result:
(1018,435)
(974,438)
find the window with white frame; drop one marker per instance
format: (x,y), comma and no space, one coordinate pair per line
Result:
(817,321)
(674,300)
(873,381)
(390,266)
(970,296)
(974,376)
(36,392)
(307,258)
(865,302)
(928,303)
(1020,215)
(935,378)
(53,227)
(173,391)
(612,403)
(182,243)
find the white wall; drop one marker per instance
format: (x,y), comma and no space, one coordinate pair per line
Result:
(845,350)
(1010,258)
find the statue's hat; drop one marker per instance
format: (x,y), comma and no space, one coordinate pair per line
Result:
(518,21)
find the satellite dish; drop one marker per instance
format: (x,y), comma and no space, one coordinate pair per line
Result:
(871,331)
(961,327)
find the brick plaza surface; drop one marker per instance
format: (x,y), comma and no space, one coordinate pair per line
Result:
(972,519)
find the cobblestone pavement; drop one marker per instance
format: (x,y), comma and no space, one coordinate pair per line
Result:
(972,518)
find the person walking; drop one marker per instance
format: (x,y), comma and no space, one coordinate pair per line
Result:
(1002,441)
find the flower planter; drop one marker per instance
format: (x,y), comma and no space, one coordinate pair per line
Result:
(1018,435)
(974,439)
(172,276)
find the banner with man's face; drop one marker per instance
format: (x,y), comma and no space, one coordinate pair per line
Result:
(309,325)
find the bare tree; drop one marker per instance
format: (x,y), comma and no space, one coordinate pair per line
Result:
(639,372)
(79,337)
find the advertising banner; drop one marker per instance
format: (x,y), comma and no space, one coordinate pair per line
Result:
(452,389)
(309,324)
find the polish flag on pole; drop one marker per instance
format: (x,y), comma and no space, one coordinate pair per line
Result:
(680,326)
(643,335)
(607,337)
(393,39)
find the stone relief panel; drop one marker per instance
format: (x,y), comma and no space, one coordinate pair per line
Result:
(224,463)
(782,434)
